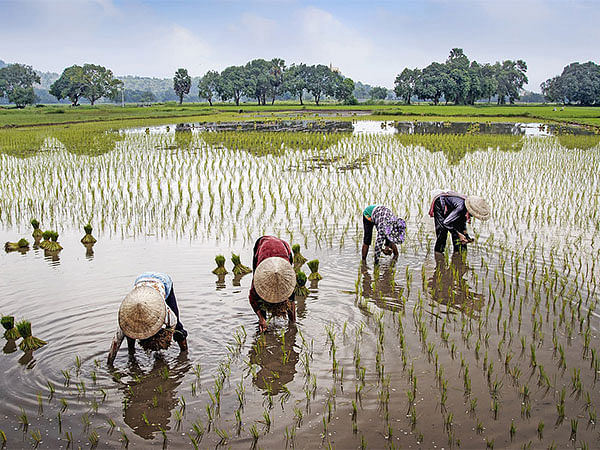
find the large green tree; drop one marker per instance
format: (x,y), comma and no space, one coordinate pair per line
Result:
(405,83)
(182,83)
(430,85)
(258,80)
(378,93)
(276,78)
(16,83)
(578,83)
(295,80)
(511,78)
(89,81)
(99,82)
(207,86)
(322,81)
(232,83)
(71,84)
(344,91)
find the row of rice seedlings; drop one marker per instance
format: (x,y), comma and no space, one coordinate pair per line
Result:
(193,193)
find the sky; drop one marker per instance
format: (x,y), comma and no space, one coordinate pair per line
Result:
(369,41)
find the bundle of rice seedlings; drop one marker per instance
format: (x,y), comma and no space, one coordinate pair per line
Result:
(8,322)
(238,267)
(37,233)
(12,246)
(300,290)
(220,269)
(88,238)
(299,260)
(314,270)
(53,245)
(160,341)
(46,235)
(29,342)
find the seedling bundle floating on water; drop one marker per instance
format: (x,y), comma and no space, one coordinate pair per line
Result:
(88,238)
(238,267)
(301,290)
(37,233)
(8,322)
(220,269)
(29,342)
(313,265)
(50,241)
(12,246)
(299,260)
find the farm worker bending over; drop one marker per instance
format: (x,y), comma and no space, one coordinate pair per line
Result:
(451,211)
(273,281)
(148,306)
(390,231)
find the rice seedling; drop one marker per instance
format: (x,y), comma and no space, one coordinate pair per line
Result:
(8,322)
(21,244)
(3,437)
(37,233)
(23,420)
(93,439)
(29,342)
(220,269)
(88,238)
(301,290)
(238,267)
(313,265)
(36,438)
(298,259)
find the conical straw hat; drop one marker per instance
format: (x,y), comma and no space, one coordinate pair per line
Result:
(478,207)
(142,313)
(274,279)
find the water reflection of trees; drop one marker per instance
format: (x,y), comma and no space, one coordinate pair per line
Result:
(448,285)
(151,396)
(277,357)
(456,146)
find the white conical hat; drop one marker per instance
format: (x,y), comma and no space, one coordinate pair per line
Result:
(477,207)
(142,313)
(274,279)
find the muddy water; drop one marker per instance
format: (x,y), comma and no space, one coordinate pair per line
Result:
(448,330)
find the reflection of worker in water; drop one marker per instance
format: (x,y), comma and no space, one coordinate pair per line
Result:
(149,401)
(277,358)
(143,312)
(273,281)
(390,231)
(384,287)
(448,285)
(451,212)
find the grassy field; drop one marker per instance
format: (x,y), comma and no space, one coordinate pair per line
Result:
(61,114)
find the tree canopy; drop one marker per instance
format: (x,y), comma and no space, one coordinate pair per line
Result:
(462,81)
(89,81)
(578,83)
(182,83)
(16,83)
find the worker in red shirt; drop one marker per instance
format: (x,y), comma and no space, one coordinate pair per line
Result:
(274,279)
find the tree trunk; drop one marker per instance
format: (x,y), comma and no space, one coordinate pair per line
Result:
(210,101)
(300,96)
(180,99)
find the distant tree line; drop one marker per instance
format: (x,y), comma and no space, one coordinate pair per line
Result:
(577,84)
(463,82)
(265,80)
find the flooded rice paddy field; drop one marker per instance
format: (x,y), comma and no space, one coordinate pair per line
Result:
(498,347)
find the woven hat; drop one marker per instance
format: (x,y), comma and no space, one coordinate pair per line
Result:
(478,207)
(274,279)
(142,313)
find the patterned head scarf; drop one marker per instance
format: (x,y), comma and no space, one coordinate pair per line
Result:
(395,230)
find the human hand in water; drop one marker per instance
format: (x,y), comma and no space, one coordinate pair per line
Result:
(262,324)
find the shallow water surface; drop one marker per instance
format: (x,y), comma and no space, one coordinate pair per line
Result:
(430,351)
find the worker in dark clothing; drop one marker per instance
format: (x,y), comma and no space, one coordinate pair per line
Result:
(451,212)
